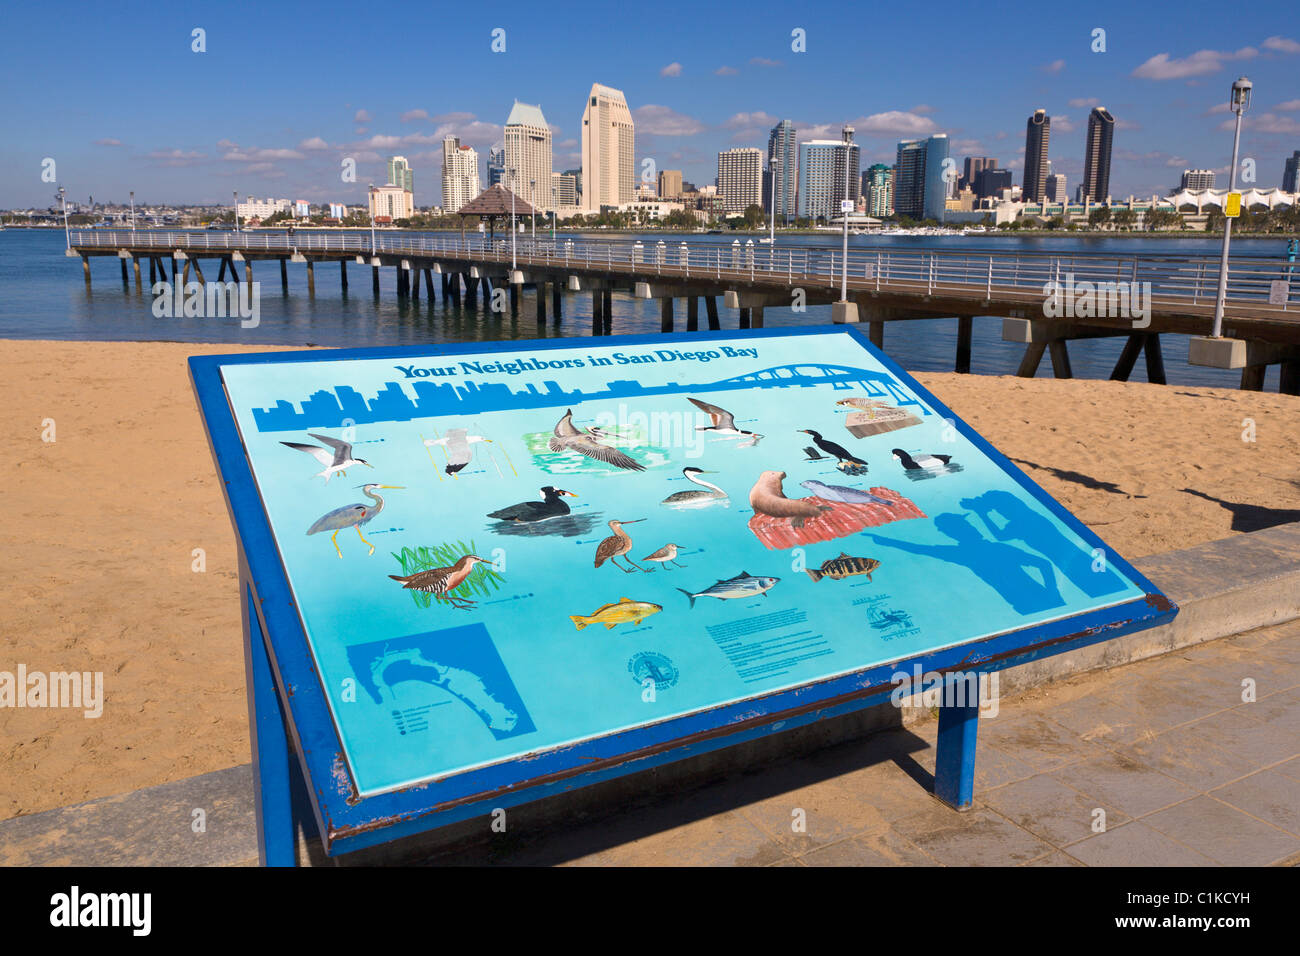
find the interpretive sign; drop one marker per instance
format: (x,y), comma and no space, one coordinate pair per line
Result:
(496,554)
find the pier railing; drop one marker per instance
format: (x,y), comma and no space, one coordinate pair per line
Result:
(1259,283)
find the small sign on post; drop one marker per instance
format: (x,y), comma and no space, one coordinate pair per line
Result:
(846,205)
(1279,290)
(1232,205)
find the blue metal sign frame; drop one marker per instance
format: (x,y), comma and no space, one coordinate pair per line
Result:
(289,717)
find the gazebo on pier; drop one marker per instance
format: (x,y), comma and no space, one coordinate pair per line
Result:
(491,204)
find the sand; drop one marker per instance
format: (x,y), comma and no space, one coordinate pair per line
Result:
(101,526)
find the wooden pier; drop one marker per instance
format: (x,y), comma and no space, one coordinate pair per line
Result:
(1139,297)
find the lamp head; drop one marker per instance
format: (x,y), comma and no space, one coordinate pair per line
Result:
(1240,101)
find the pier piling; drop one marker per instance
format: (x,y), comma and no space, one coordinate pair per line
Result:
(284,277)
(665,314)
(85,268)
(557,300)
(711,307)
(744,319)
(756,317)
(343,274)
(311,277)
(692,313)
(541,302)
(876,332)
(126,279)
(135,264)
(374,280)
(964,328)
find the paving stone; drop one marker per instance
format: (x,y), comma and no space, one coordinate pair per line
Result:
(1055,858)
(1135,844)
(1273,797)
(1035,740)
(1049,809)
(978,837)
(1255,739)
(1224,833)
(1187,756)
(885,848)
(1114,780)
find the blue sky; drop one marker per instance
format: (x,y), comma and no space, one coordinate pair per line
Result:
(116,96)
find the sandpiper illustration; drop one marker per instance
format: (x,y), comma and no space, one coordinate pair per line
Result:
(456,443)
(617,544)
(336,459)
(665,556)
(724,424)
(442,581)
(352,516)
(568,437)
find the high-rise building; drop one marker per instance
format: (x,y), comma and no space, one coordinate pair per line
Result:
(1291,173)
(1056,188)
(1096,156)
(400,173)
(1038,131)
(972,168)
(608,149)
(577,179)
(920,191)
(670,183)
(564,190)
(782,171)
(740,178)
(460,182)
(390,202)
(878,187)
(496,164)
(528,155)
(828,174)
(990,181)
(1197,179)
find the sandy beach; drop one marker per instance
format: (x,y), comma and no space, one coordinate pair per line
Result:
(102,526)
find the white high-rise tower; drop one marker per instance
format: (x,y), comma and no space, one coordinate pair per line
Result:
(528,155)
(608,150)
(460,181)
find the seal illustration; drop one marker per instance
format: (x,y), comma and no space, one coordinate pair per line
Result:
(767,498)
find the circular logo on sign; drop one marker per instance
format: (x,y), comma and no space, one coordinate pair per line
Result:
(655,666)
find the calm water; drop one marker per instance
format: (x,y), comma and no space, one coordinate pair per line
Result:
(42,296)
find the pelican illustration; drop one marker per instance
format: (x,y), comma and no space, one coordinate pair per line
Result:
(619,543)
(703,495)
(724,423)
(352,516)
(456,443)
(335,461)
(568,437)
(442,581)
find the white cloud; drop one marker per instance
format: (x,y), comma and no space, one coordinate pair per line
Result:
(362,116)
(665,121)
(1056,66)
(410,115)
(1126,124)
(1201,63)
(251,155)
(1081,101)
(1281,45)
(751,120)
(1062,124)
(1268,123)
(314,143)
(118,142)
(175,157)
(895,121)
(924,109)
(725,71)
(764,61)
(672,69)
(1288,106)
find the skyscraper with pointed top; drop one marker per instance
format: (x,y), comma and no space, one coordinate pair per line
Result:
(1096,156)
(608,149)
(1038,133)
(528,155)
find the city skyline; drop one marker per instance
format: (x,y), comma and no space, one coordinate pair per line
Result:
(690,98)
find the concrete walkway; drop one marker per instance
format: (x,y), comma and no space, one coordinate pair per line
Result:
(1185,771)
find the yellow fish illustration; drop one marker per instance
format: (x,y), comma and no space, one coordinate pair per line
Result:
(624,612)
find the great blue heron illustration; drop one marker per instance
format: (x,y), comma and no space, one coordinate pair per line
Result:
(456,443)
(336,459)
(352,516)
(568,437)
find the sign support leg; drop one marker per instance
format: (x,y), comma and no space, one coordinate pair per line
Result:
(954,766)
(276,833)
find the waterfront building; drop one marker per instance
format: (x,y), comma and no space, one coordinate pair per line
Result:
(920,191)
(972,168)
(1096,157)
(338,210)
(828,174)
(460,182)
(391,202)
(670,183)
(740,178)
(496,164)
(400,173)
(252,208)
(528,155)
(564,190)
(878,188)
(577,181)
(1291,173)
(782,170)
(1056,188)
(608,149)
(1196,179)
(990,182)
(1038,134)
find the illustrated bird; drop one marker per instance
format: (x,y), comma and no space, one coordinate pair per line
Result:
(442,581)
(618,543)
(456,443)
(868,405)
(664,556)
(724,423)
(707,492)
(568,437)
(921,462)
(352,516)
(847,463)
(813,454)
(336,459)
(552,505)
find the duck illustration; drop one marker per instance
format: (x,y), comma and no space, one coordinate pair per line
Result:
(724,423)
(568,437)
(921,462)
(552,505)
(442,581)
(847,463)
(618,543)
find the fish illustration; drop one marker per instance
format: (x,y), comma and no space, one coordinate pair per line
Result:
(840,493)
(624,611)
(845,566)
(743,585)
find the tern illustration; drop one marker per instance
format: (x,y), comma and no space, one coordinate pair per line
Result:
(336,459)
(724,423)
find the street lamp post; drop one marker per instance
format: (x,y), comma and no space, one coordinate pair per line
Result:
(1239,103)
(532,213)
(236,210)
(773,166)
(513,228)
(844,207)
(133,211)
(370,204)
(67,236)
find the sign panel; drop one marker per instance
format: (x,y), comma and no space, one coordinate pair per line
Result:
(499,553)
(1279,291)
(1232,205)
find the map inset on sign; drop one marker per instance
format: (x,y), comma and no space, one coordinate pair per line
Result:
(494,550)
